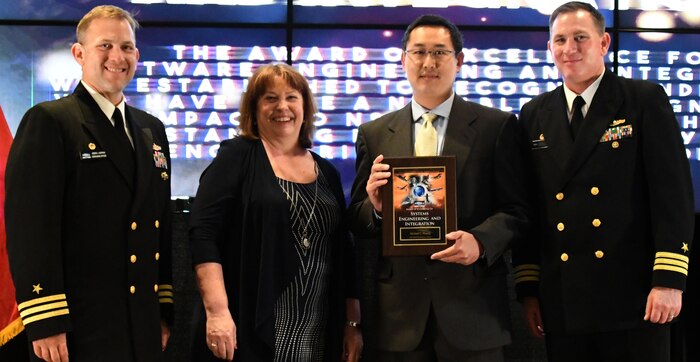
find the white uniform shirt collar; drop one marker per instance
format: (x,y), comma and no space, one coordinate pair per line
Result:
(587,95)
(105,105)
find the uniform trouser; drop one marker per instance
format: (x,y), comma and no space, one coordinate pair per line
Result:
(649,343)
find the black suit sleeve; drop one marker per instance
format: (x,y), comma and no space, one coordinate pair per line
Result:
(669,188)
(35,179)
(510,216)
(526,263)
(165,265)
(361,212)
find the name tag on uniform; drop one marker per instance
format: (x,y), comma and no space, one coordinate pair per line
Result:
(539,144)
(92,153)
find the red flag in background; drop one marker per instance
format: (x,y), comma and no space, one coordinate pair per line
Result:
(10,323)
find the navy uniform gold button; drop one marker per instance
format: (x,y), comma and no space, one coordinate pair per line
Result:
(91,146)
(560,196)
(133,259)
(164,176)
(596,222)
(132,289)
(157,256)
(155,288)
(595,191)
(133,225)
(560,226)
(564,257)
(157,224)
(615,144)
(599,254)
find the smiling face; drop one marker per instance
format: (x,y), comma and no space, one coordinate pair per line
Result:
(430,78)
(108,56)
(280,112)
(578,49)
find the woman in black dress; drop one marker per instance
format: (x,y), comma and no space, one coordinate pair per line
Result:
(273,259)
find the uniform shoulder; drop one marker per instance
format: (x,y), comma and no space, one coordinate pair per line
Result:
(538,101)
(638,85)
(57,111)
(145,117)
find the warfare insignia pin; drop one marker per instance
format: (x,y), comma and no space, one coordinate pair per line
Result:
(617,122)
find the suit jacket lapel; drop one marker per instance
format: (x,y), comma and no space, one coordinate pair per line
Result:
(96,122)
(398,130)
(459,135)
(603,108)
(556,130)
(143,149)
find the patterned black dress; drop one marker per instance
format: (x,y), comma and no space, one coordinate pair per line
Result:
(301,312)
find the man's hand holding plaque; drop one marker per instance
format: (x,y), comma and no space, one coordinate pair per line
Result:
(416,198)
(466,249)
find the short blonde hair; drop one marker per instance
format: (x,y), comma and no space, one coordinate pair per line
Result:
(258,84)
(104,11)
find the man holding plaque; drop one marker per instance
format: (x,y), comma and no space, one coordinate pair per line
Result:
(451,305)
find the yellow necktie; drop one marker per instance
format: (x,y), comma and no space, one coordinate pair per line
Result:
(426,136)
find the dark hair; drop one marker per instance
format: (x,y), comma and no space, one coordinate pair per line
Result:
(258,84)
(574,6)
(439,21)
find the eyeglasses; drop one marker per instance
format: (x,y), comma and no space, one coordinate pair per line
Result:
(419,55)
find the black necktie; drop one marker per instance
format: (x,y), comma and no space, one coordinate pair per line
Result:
(125,155)
(577,116)
(119,128)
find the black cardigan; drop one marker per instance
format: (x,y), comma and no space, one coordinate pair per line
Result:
(240,218)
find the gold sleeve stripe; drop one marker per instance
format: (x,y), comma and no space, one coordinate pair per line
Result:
(527,279)
(43,308)
(526,273)
(39,317)
(671,268)
(165,293)
(526,267)
(678,263)
(165,287)
(664,254)
(166,300)
(50,298)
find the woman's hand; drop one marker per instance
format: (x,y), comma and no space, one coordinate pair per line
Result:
(352,343)
(221,334)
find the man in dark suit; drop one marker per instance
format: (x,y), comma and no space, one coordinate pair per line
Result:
(453,305)
(608,263)
(88,218)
